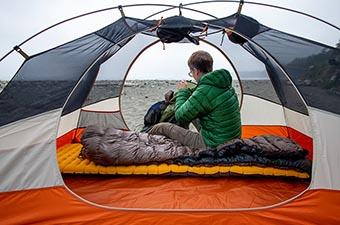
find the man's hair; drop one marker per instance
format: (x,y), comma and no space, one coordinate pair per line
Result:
(201,60)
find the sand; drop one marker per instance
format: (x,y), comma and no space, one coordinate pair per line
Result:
(138,96)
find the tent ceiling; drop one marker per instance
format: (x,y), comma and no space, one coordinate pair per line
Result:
(311,66)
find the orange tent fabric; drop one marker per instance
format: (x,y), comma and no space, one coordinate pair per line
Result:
(57,205)
(184,192)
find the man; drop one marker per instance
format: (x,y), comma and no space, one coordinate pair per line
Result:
(214,102)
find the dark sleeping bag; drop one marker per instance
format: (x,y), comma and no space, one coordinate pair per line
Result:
(112,147)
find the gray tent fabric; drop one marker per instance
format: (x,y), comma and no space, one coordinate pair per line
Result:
(102,119)
(313,67)
(45,81)
(288,94)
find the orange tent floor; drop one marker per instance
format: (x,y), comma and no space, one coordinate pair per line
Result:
(184,192)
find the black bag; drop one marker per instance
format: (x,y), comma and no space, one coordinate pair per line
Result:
(154,114)
(170,31)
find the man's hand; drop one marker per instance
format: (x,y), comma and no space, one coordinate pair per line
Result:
(182,85)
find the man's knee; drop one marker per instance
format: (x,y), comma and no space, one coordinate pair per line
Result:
(160,128)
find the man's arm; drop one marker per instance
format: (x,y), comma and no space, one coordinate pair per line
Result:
(189,107)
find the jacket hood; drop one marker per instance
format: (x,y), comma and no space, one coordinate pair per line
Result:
(219,78)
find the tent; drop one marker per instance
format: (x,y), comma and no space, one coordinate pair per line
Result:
(49,98)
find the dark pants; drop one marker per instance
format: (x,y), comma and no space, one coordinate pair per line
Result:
(186,137)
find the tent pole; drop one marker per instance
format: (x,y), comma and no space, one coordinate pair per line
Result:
(240,7)
(121,10)
(180,9)
(20,51)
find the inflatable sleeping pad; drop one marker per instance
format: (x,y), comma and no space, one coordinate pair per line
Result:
(113,151)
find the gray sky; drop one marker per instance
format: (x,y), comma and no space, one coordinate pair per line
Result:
(21,19)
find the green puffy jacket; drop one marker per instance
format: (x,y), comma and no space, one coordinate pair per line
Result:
(215,103)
